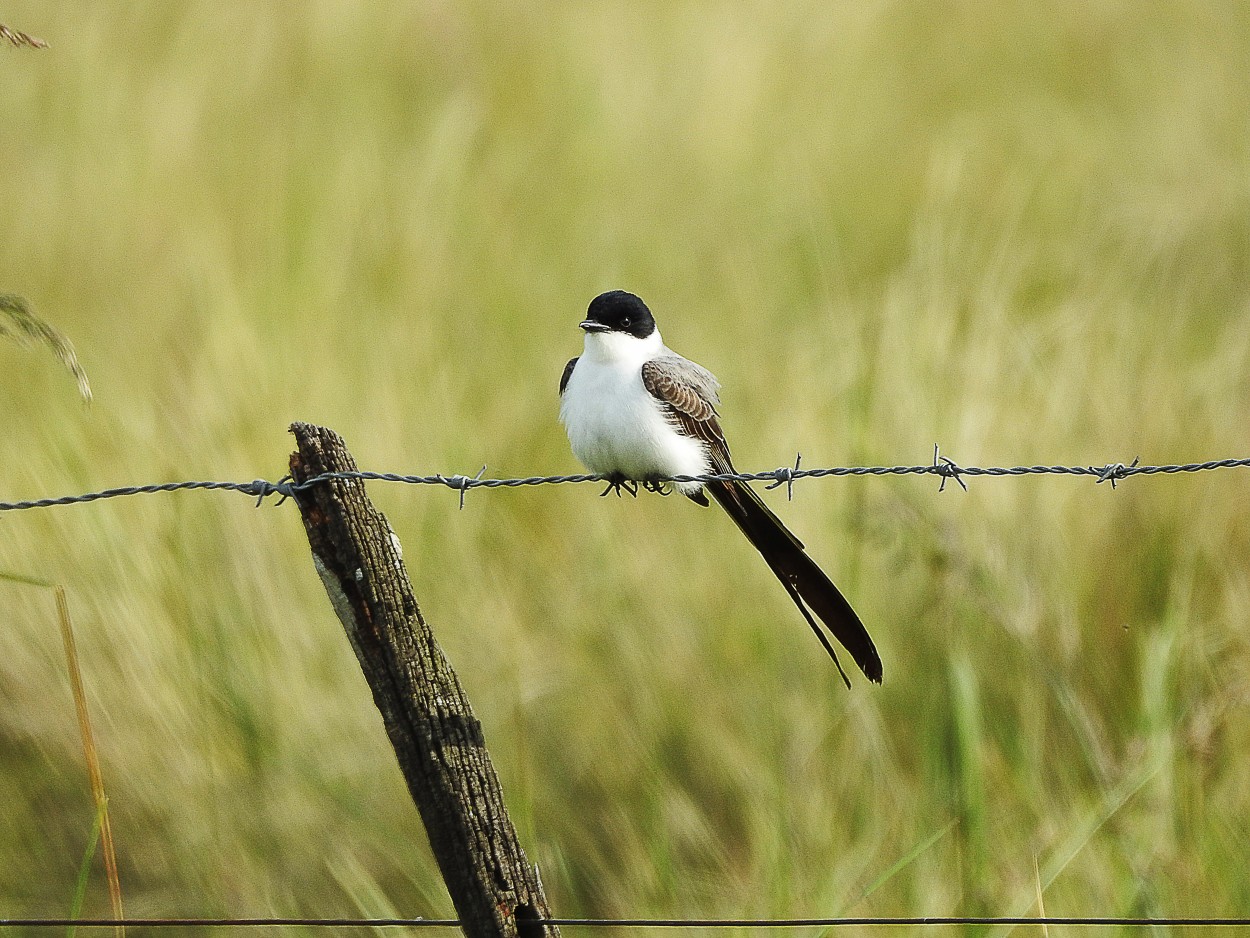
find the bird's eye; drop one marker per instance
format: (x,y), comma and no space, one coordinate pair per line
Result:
(625,323)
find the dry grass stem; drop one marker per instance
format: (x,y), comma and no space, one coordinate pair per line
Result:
(91,754)
(19,322)
(21,39)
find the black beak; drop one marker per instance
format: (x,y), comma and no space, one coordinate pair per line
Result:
(590,325)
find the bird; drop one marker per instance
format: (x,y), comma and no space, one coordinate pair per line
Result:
(637,413)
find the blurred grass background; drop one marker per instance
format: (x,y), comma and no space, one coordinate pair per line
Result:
(1022,230)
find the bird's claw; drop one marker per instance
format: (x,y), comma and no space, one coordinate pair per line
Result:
(659,486)
(616,482)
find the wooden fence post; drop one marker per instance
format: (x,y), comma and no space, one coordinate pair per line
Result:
(496,891)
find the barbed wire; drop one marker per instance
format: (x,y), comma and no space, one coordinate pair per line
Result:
(862,922)
(946,469)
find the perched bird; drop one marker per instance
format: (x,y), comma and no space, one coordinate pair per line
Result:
(636,412)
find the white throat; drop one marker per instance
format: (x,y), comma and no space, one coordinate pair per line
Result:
(620,349)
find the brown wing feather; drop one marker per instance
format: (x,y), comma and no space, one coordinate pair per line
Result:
(692,412)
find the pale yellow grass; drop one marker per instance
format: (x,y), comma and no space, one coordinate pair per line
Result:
(1018,230)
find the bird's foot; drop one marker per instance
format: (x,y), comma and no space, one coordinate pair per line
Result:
(616,482)
(659,486)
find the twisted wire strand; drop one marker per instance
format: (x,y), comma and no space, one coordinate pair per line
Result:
(942,467)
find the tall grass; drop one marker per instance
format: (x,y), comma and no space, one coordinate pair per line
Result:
(1017,229)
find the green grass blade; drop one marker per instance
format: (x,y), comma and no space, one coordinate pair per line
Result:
(84,870)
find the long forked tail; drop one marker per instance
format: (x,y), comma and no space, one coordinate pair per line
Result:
(811,590)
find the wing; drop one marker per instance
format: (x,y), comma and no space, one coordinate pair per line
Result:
(688,395)
(564,378)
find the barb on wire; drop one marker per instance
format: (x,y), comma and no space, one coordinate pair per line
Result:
(1116,471)
(947,469)
(463,483)
(785,476)
(941,466)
